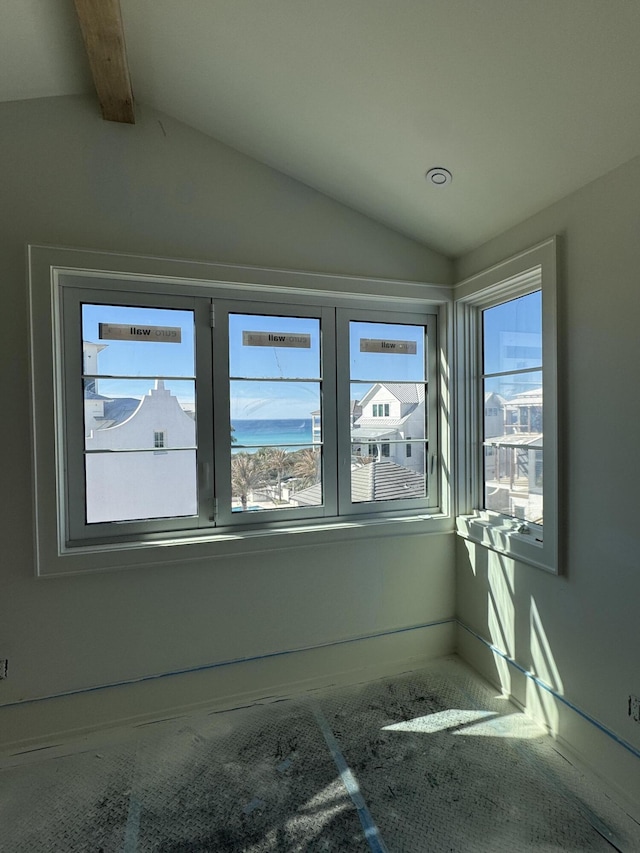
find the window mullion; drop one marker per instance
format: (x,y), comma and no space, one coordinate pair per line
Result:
(204,358)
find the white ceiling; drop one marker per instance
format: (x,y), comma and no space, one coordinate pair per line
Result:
(523,100)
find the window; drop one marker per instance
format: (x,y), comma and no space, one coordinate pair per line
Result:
(512,483)
(183,416)
(391,355)
(380,410)
(508,469)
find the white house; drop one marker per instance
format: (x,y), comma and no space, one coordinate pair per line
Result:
(393,414)
(140,455)
(513,454)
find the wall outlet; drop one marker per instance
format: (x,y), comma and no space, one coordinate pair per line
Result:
(634,708)
(4,667)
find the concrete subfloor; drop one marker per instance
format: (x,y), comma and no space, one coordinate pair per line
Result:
(431,760)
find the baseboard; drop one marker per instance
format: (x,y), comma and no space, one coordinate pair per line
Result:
(582,739)
(51,720)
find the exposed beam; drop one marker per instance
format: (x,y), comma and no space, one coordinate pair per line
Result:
(103,33)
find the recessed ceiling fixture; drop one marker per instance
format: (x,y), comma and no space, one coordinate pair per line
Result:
(439,176)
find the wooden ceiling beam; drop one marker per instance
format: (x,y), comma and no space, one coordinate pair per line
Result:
(103,34)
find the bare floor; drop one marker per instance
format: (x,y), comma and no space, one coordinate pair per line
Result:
(428,761)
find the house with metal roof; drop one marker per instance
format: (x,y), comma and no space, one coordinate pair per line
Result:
(392,425)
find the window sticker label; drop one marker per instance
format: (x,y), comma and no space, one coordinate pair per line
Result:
(276,339)
(126,332)
(384,345)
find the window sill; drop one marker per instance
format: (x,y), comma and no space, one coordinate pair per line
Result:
(228,543)
(499,533)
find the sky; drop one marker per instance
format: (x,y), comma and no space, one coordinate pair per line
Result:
(254,392)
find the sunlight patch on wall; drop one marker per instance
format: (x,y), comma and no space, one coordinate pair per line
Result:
(539,701)
(501,612)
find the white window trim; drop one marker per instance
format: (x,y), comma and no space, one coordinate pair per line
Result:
(45,264)
(531,270)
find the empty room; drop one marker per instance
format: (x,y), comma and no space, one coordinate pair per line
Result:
(318,530)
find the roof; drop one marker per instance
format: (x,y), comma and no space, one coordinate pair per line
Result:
(384,480)
(532,397)
(379,480)
(518,439)
(365,432)
(404,392)
(116,409)
(494,396)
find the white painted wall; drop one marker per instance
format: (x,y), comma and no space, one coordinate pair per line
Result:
(579,631)
(68,178)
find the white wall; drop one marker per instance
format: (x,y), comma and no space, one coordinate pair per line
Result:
(579,632)
(68,178)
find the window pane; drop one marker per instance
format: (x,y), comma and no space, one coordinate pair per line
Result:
(387,410)
(386,351)
(513,334)
(513,405)
(136,430)
(276,477)
(125,414)
(513,481)
(513,437)
(271,347)
(274,413)
(382,471)
(122,340)
(140,485)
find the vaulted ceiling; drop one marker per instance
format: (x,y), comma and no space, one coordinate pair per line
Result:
(522,100)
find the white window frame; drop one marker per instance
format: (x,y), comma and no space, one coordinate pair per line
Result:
(532,270)
(176,282)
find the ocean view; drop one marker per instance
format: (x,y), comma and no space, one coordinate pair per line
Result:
(270,433)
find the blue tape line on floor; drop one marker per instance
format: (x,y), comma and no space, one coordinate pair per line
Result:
(133,826)
(371,831)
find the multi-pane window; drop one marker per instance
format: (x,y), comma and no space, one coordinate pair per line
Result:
(389,365)
(507,410)
(276,386)
(512,429)
(138,368)
(183,413)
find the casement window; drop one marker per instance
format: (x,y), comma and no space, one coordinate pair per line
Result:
(507,402)
(182,416)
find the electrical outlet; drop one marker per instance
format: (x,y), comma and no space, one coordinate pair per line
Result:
(634,708)
(4,667)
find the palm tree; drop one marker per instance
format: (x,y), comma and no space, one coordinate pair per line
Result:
(246,475)
(307,467)
(275,463)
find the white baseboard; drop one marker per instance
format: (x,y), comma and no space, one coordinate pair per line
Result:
(51,720)
(580,738)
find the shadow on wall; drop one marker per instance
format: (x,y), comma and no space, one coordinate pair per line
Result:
(517,636)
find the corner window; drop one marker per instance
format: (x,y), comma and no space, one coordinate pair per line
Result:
(513,429)
(181,415)
(508,445)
